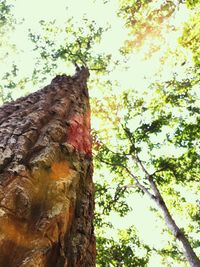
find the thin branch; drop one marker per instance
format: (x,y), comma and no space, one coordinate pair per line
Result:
(149,178)
(68,50)
(137,183)
(97,69)
(141,165)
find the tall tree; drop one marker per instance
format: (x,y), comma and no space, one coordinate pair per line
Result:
(139,164)
(46,188)
(169,120)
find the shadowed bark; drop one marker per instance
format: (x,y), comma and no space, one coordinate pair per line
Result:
(46,188)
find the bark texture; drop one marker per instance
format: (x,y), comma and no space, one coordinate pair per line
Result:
(46,188)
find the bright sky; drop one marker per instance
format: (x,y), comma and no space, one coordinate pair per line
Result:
(35,10)
(61,10)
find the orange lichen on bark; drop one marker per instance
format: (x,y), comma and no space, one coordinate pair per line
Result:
(60,170)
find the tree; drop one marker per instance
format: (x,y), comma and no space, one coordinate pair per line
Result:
(164,118)
(47,193)
(139,148)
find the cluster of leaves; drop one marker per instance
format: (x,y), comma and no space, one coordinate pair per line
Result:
(122,253)
(8,50)
(6,91)
(191,36)
(6,25)
(6,18)
(145,18)
(169,253)
(111,198)
(69,43)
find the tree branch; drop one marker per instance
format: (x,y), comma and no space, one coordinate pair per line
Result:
(137,182)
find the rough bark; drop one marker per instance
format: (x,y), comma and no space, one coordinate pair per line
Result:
(46,188)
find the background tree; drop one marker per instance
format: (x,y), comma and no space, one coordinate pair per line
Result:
(151,123)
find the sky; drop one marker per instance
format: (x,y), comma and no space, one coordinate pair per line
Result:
(139,74)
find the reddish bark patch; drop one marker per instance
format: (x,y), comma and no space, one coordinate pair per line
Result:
(79,133)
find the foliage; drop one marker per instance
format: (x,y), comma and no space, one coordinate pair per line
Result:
(159,131)
(10,80)
(68,43)
(6,19)
(122,252)
(6,26)
(151,20)
(145,19)
(167,121)
(191,36)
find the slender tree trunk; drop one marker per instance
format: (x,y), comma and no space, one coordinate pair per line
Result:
(46,188)
(156,196)
(188,251)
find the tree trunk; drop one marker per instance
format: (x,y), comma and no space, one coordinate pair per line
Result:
(188,251)
(46,188)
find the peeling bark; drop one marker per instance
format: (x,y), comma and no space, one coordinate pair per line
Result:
(46,188)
